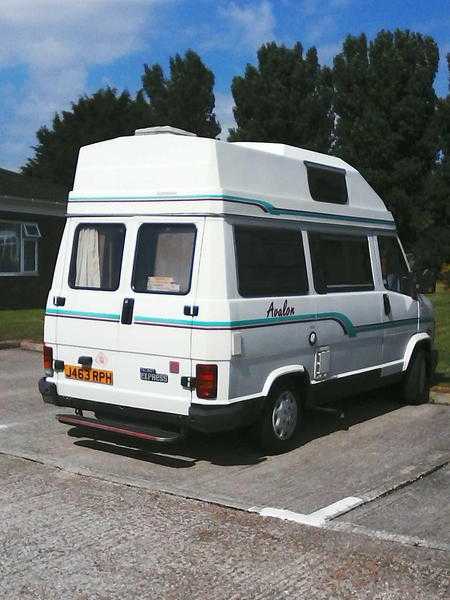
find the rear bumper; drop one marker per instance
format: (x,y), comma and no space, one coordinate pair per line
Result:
(210,419)
(48,392)
(203,418)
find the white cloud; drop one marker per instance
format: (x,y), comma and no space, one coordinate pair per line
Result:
(320,27)
(57,42)
(240,28)
(252,25)
(320,22)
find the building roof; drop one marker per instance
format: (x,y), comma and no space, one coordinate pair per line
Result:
(20,193)
(22,186)
(177,174)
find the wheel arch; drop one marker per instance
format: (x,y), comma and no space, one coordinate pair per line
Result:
(418,340)
(289,372)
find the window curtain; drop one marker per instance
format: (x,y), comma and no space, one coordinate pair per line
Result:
(9,248)
(174,256)
(88,258)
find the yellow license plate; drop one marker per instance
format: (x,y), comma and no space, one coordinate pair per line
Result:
(83,374)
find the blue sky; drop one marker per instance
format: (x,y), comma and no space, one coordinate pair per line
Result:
(53,51)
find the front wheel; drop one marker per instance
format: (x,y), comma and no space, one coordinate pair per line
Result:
(416,383)
(281,419)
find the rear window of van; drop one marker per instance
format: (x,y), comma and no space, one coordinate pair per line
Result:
(97,256)
(164,257)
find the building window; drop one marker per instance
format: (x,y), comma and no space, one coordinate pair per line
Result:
(341,263)
(326,184)
(270,262)
(19,248)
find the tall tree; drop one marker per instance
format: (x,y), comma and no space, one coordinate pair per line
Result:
(286,99)
(104,115)
(185,100)
(433,243)
(385,104)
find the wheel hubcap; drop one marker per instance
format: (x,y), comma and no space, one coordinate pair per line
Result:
(284,415)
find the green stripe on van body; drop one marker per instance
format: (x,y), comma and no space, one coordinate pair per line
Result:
(263,204)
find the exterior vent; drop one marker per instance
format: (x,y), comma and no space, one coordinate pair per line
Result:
(164,129)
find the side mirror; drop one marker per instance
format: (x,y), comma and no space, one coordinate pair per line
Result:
(427,282)
(409,286)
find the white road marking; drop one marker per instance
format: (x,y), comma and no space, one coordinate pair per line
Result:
(316,519)
(406,540)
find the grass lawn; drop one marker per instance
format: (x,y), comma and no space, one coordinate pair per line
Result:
(22,324)
(441,303)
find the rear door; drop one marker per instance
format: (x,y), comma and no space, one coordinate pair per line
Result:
(158,304)
(88,314)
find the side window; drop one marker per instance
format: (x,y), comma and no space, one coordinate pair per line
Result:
(270,262)
(97,257)
(163,260)
(326,184)
(340,263)
(394,269)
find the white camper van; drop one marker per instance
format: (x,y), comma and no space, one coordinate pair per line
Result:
(204,285)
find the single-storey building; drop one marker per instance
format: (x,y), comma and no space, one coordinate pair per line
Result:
(32,217)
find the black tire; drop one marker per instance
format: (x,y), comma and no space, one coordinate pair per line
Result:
(416,383)
(280,422)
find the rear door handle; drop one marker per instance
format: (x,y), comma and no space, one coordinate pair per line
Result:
(59,300)
(387,304)
(85,361)
(127,311)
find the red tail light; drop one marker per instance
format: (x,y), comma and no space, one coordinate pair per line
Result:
(48,357)
(206,381)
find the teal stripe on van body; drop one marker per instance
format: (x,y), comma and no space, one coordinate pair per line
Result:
(347,325)
(62,312)
(343,320)
(263,204)
(387,324)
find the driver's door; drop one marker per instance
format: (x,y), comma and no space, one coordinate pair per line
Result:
(400,308)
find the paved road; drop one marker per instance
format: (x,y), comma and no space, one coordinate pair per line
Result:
(392,459)
(69,536)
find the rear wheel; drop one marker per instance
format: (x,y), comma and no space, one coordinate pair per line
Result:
(416,383)
(281,419)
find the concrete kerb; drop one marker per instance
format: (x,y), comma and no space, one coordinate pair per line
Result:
(8,344)
(23,344)
(31,345)
(439,396)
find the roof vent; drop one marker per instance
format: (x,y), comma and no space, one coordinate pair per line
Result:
(164,129)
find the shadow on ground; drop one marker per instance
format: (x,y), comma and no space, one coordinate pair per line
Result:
(237,447)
